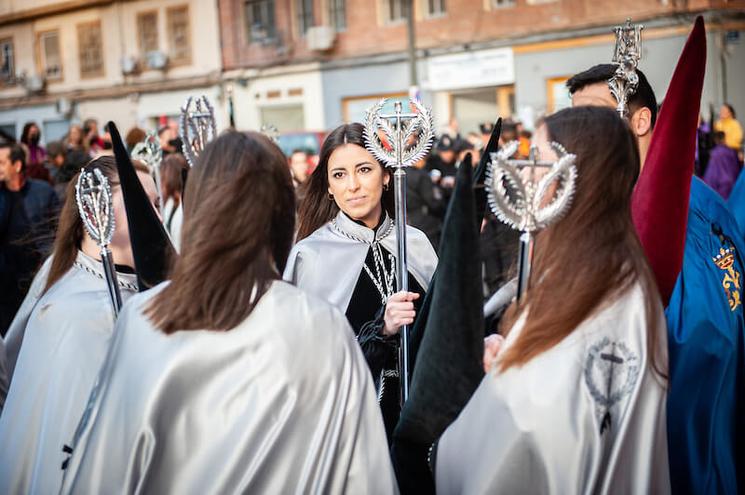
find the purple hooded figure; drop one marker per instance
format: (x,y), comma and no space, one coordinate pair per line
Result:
(723,168)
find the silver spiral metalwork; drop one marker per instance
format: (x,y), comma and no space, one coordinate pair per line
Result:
(150,153)
(93,196)
(96,208)
(197,127)
(408,136)
(627,53)
(528,203)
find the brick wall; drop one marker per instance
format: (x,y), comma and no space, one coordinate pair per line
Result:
(466,21)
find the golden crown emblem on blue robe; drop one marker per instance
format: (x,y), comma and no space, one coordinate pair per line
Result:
(725,260)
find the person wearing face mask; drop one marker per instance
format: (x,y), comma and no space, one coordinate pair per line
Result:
(35,169)
(346,254)
(58,340)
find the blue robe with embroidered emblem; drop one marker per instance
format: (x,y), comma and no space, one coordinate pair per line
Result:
(705,339)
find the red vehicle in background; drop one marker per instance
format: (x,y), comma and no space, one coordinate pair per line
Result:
(308,141)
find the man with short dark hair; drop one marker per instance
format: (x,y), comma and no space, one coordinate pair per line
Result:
(590,88)
(299,166)
(28,208)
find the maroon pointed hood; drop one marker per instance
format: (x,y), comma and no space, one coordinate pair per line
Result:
(660,201)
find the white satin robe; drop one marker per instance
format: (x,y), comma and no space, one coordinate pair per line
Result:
(585,417)
(55,345)
(328,264)
(282,403)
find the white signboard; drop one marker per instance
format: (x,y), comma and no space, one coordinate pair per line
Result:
(477,69)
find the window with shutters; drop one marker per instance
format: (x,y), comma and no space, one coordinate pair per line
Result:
(498,4)
(338,14)
(50,56)
(7,61)
(179,35)
(260,22)
(147,31)
(304,16)
(394,11)
(436,8)
(90,49)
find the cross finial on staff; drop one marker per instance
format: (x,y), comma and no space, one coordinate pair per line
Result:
(197,127)
(627,53)
(529,204)
(409,135)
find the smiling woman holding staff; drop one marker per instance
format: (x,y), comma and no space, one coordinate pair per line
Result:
(346,254)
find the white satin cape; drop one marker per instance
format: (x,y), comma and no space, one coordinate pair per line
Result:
(328,264)
(56,345)
(282,403)
(537,428)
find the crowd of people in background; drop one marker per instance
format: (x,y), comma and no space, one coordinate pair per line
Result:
(34,179)
(34,182)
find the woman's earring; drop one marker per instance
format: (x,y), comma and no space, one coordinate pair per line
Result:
(386,186)
(331,197)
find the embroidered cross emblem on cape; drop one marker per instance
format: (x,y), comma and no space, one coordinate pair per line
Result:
(611,371)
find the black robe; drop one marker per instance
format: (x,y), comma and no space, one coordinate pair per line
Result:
(365,314)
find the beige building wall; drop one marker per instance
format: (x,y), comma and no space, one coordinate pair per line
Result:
(111,94)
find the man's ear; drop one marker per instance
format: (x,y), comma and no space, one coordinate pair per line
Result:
(641,122)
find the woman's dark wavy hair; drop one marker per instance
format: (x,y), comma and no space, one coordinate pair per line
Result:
(316,208)
(239,219)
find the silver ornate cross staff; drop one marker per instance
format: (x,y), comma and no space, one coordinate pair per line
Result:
(270,131)
(627,53)
(93,196)
(151,154)
(197,126)
(408,138)
(529,204)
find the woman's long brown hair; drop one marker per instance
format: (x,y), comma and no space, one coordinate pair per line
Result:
(316,208)
(171,178)
(69,236)
(591,256)
(239,219)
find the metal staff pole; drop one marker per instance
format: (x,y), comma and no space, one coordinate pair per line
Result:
(409,138)
(93,197)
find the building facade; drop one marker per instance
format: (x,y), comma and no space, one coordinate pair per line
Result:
(304,65)
(134,62)
(476,59)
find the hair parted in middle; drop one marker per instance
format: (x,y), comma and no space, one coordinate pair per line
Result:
(239,219)
(316,208)
(597,231)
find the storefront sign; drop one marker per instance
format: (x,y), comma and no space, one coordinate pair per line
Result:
(475,69)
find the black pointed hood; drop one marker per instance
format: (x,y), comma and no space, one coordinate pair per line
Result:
(151,247)
(480,175)
(448,365)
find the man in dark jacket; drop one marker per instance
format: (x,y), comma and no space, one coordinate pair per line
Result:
(424,203)
(28,208)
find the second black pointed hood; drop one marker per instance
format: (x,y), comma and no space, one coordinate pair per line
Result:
(151,247)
